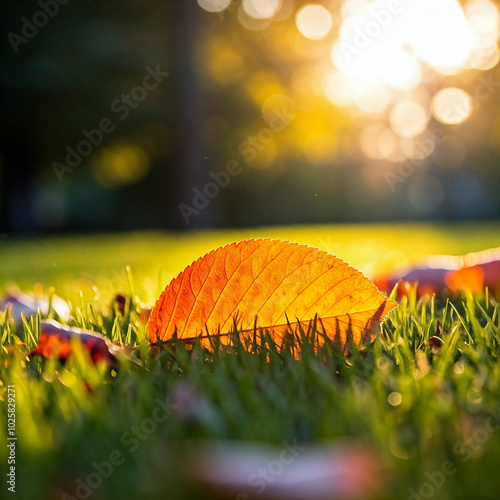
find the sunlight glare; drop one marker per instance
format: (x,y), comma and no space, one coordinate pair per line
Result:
(439,33)
(392,42)
(403,71)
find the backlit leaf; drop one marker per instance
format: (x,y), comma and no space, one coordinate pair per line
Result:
(272,284)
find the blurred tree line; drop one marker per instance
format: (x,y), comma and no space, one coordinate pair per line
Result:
(65,72)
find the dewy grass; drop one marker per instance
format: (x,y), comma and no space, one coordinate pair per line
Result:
(420,408)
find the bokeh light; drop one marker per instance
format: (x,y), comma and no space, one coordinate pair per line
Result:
(418,148)
(403,72)
(382,92)
(214,5)
(395,398)
(408,119)
(252,23)
(485,59)
(120,164)
(451,106)
(369,140)
(314,21)
(439,33)
(387,47)
(261,9)
(374,99)
(388,145)
(483,18)
(340,88)
(353,7)
(225,62)
(262,85)
(388,69)
(380,143)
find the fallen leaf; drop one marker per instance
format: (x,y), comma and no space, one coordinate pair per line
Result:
(272,284)
(56,342)
(473,271)
(430,280)
(21,304)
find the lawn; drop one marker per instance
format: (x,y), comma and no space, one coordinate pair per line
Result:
(82,263)
(426,414)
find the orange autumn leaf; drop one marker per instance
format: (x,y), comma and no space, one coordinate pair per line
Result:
(272,284)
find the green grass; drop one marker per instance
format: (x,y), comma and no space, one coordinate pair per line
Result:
(449,408)
(82,263)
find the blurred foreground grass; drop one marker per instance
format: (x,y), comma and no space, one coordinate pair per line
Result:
(418,409)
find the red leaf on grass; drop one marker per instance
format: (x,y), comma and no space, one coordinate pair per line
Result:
(56,342)
(273,284)
(473,271)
